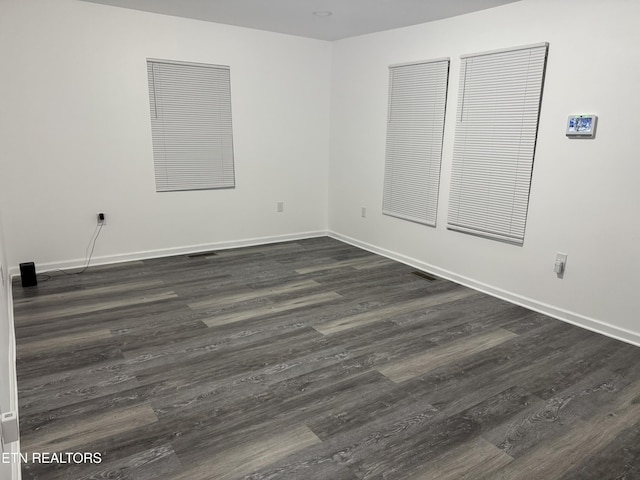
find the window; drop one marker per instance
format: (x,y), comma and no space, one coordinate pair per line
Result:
(415,126)
(191,125)
(496,129)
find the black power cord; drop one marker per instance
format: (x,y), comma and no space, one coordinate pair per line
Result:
(92,244)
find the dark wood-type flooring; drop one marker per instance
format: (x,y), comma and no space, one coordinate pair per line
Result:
(313,360)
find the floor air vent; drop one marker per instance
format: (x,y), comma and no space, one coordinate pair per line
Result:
(201,254)
(424,275)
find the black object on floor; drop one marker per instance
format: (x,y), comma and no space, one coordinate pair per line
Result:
(28,274)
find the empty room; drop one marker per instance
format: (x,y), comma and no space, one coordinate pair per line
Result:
(319,239)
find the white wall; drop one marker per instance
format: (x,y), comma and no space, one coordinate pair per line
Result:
(584,195)
(75,135)
(75,139)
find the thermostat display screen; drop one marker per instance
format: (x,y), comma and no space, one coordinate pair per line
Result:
(581,125)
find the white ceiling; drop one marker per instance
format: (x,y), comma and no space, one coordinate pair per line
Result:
(349,17)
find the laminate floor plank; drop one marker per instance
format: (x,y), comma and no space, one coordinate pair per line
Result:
(307,404)
(551,417)
(355,262)
(312,359)
(358,412)
(84,309)
(373,316)
(51,363)
(226,365)
(619,459)
(71,434)
(68,341)
(443,432)
(458,385)
(467,462)
(68,283)
(152,464)
(234,298)
(73,398)
(253,454)
(273,308)
(434,358)
(593,354)
(124,318)
(85,293)
(557,456)
(374,444)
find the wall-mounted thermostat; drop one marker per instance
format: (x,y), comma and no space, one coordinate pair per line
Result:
(581,125)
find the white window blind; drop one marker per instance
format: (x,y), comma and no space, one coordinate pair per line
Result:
(191,125)
(415,126)
(496,129)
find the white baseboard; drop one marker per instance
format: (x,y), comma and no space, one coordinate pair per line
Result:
(573,318)
(13,376)
(16,467)
(14,448)
(167,252)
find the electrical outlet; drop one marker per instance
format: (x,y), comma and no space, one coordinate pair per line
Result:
(363,212)
(9,422)
(102,219)
(280,207)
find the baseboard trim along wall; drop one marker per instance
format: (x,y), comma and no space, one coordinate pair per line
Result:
(168,252)
(13,378)
(573,318)
(13,448)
